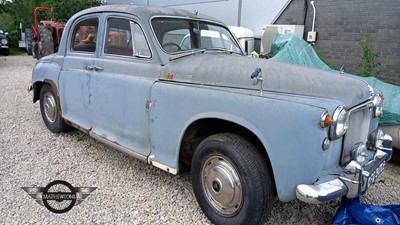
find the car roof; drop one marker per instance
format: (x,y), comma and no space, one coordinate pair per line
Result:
(147,12)
(144,13)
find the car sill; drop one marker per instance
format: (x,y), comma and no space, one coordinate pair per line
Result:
(118,147)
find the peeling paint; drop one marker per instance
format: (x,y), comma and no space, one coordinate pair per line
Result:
(76,126)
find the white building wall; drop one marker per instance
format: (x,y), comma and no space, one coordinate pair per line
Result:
(252,14)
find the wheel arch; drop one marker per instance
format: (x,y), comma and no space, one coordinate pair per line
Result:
(202,128)
(37,87)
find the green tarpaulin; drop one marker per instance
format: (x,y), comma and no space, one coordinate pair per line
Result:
(292,49)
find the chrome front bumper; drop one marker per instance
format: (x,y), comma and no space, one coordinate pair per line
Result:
(353,181)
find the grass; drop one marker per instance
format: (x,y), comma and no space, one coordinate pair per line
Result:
(16,51)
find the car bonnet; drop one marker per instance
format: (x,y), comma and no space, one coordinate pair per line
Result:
(225,70)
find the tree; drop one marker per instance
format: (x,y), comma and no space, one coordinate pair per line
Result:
(66,9)
(21,11)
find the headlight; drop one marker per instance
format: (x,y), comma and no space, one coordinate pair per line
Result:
(4,41)
(339,124)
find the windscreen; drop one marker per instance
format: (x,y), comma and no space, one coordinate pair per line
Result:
(177,35)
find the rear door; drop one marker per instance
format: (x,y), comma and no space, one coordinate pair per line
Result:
(76,77)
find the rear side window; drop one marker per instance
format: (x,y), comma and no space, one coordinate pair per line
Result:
(84,37)
(125,38)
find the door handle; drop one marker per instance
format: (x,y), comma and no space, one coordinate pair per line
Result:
(97,68)
(89,67)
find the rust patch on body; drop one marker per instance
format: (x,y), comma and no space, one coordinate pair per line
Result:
(168,76)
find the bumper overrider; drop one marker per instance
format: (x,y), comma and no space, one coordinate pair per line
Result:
(356,177)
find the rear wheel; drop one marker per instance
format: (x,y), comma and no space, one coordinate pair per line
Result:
(46,44)
(231,182)
(50,110)
(28,40)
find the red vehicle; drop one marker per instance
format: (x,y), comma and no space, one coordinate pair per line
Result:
(44,37)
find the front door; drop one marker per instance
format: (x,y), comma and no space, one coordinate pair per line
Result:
(126,73)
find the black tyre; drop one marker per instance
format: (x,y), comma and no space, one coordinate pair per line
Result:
(49,108)
(46,44)
(28,40)
(6,52)
(35,50)
(231,182)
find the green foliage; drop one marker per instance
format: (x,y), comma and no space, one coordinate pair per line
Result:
(21,11)
(6,22)
(66,9)
(370,64)
(16,51)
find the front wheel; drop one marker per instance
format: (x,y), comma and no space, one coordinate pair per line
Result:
(231,182)
(49,109)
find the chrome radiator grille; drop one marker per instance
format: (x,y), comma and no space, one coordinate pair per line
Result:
(358,130)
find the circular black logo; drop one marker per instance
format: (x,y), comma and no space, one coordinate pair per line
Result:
(59,196)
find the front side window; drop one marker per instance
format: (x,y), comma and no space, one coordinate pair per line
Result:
(175,35)
(125,38)
(84,37)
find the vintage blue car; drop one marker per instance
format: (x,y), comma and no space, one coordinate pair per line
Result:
(251,129)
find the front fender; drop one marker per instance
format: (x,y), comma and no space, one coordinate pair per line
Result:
(287,127)
(45,71)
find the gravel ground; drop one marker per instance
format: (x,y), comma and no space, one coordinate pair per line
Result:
(128,191)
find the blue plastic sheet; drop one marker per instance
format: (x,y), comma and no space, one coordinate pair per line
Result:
(353,211)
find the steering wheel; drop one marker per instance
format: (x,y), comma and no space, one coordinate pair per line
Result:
(171,47)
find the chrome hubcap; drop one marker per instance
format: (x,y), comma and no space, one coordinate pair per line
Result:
(222,185)
(50,107)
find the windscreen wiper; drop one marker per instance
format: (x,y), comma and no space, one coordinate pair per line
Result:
(222,50)
(193,52)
